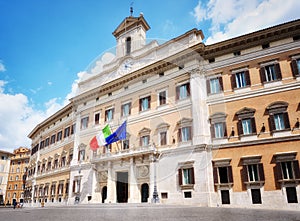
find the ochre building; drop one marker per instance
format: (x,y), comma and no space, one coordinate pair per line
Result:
(207,125)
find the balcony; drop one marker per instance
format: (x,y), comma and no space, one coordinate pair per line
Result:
(98,157)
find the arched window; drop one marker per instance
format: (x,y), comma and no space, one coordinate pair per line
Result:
(128,45)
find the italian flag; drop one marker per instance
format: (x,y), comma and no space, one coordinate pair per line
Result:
(99,139)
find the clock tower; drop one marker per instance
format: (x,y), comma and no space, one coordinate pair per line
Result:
(130,35)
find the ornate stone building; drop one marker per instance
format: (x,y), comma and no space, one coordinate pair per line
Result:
(17,175)
(205,124)
(4,171)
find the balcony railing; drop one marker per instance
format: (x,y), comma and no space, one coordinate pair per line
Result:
(122,153)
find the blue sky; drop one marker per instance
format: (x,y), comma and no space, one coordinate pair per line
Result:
(46,44)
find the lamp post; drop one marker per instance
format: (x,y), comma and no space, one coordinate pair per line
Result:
(155,198)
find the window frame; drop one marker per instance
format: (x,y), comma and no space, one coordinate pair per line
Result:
(295,66)
(141,106)
(265,70)
(216,119)
(234,80)
(123,108)
(84,122)
(276,109)
(209,87)
(187,91)
(112,110)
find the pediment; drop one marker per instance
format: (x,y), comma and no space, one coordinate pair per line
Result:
(129,23)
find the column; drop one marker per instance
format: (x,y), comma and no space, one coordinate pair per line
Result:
(134,193)
(111,184)
(199,107)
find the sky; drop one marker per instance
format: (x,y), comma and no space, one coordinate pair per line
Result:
(48,46)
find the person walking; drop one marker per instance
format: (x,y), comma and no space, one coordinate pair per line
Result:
(15,204)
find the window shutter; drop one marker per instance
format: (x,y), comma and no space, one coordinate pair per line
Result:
(149,102)
(230,177)
(271,122)
(179,135)
(78,156)
(245,174)
(278,174)
(140,105)
(247,77)
(180,176)
(261,172)
(215,172)
(129,108)
(188,89)
(193,176)
(212,131)
(74,183)
(208,86)
(278,71)
(221,83)
(286,120)
(262,74)
(253,125)
(177,92)
(190,133)
(296,169)
(294,68)
(233,81)
(240,127)
(225,129)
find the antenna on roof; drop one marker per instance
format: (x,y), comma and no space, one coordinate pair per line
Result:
(131,9)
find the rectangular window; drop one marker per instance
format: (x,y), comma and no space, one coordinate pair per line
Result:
(225,196)
(214,85)
(188,194)
(163,138)
(187,176)
(67,132)
(42,144)
(184,134)
(247,126)
(145,103)
(219,129)
(287,170)
(270,73)
(296,67)
(183,91)
(279,121)
(47,141)
(223,174)
(52,140)
(109,114)
(126,109)
(291,194)
(256,196)
(73,129)
(97,118)
(125,144)
(162,97)
(84,122)
(59,136)
(81,155)
(240,79)
(145,140)
(253,173)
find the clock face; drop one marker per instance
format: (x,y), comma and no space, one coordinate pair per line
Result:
(126,66)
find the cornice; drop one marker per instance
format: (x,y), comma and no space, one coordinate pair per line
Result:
(264,36)
(257,142)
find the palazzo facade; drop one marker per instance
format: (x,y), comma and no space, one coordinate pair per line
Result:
(207,125)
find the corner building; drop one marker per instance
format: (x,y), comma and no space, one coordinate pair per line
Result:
(197,122)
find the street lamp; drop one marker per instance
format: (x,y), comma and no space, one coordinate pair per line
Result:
(155,198)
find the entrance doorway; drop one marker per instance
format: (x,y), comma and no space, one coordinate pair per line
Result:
(122,187)
(145,192)
(104,194)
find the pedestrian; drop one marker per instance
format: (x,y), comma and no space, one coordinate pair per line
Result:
(15,204)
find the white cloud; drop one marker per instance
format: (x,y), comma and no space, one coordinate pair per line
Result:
(199,13)
(232,18)
(2,67)
(17,119)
